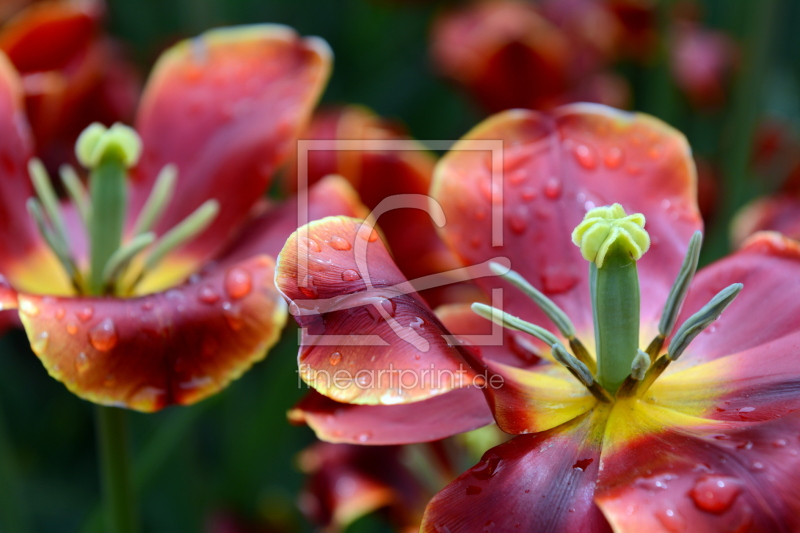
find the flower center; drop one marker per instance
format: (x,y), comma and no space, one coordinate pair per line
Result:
(117,262)
(612,242)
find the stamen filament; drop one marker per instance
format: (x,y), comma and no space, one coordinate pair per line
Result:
(581,372)
(53,241)
(77,193)
(120,259)
(702,319)
(549,308)
(639,368)
(49,199)
(511,322)
(159,198)
(681,286)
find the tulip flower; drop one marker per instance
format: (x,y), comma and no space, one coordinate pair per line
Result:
(647,410)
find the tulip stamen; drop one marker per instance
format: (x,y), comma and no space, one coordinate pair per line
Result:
(108,154)
(581,372)
(549,308)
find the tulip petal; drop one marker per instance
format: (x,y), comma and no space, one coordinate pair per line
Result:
(541,482)
(368,338)
(555,167)
(742,478)
(442,416)
(225,108)
(767,309)
(176,347)
(267,232)
(779,213)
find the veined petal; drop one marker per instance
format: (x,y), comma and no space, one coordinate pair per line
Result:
(759,383)
(767,309)
(455,412)
(540,482)
(738,477)
(268,231)
(368,338)
(551,170)
(176,347)
(225,107)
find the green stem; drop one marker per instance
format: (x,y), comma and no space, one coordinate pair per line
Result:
(107,189)
(116,471)
(615,303)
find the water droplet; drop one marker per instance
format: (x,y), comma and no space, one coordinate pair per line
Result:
(528,194)
(472,490)
(364,437)
(338,243)
(82,362)
(85,314)
(585,156)
(335,358)
(518,221)
(491,191)
(780,443)
(552,189)
(311,244)
(715,494)
(71,327)
(238,283)
(350,275)
(233,316)
(369,235)
(614,157)
(104,335)
(388,306)
(60,312)
(40,342)
(417,324)
(655,152)
(583,464)
(487,468)
(29,308)
(308,288)
(671,520)
(208,295)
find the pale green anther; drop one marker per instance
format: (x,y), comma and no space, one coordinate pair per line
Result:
(553,312)
(681,286)
(77,193)
(604,227)
(120,259)
(641,362)
(189,228)
(580,370)
(511,322)
(158,200)
(701,320)
(97,142)
(47,195)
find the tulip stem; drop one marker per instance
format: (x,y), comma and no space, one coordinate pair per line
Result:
(116,470)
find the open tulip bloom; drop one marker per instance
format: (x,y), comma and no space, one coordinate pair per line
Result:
(638,404)
(153,286)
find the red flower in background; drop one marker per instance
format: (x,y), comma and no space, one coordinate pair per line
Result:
(712,442)
(72,73)
(181,321)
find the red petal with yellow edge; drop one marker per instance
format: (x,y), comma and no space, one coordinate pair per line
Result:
(541,482)
(368,337)
(767,309)
(742,478)
(449,414)
(779,213)
(176,347)
(267,233)
(760,383)
(400,166)
(554,168)
(225,107)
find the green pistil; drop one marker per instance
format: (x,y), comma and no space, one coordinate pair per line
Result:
(613,241)
(108,154)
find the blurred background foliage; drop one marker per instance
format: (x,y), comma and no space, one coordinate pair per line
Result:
(234,455)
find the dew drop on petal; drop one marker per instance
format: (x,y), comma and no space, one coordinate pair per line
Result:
(364,437)
(350,275)
(82,362)
(233,316)
(104,335)
(71,327)
(388,306)
(487,468)
(29,308)
(308,288)
(311,244)
(208,295)
(585,157)
(552,188)
(614,157)
(715,494)
(671,520)
(335,358)
(60,312)
(238,283)
(40,342)
(528,194)
(85,314)
(338,243)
